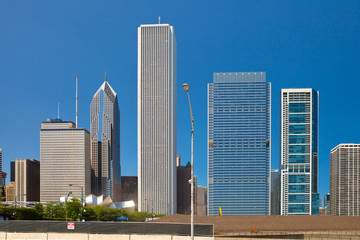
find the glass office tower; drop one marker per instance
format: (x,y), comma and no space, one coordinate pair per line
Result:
(299,151)
(105,143)
(239,115)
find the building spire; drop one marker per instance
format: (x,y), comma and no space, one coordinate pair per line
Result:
(105,77)
(76,114)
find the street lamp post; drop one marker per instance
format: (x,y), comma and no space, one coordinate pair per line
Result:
(82,198)
(15,203)
(186,88)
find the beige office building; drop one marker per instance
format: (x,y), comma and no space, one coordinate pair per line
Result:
(345,180)
(10,192)
(65,160)
(27,180)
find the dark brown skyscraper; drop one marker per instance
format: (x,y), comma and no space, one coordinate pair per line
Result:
(129,189)
(183,189)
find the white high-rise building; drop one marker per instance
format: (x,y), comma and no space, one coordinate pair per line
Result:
(345,180)
(157,119)
(299,151)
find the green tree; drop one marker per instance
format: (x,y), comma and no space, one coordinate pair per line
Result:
(49,210)
(59,211)
(73,209)
(39,208)
(89,214)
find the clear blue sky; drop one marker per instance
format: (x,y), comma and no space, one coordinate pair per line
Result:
(43,44)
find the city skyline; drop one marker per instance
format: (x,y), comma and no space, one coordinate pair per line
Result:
(298,44)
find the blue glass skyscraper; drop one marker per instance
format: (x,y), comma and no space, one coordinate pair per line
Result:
(299,151)
(239,117)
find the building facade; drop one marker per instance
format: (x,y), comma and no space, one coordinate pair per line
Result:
(345,180)
(12,171)
(239,133)
(275,192)
(129,189)
(157,118)
(201,200)
(10,192)
(327,203)
(1,180)
(65,160)
(183,189)
(105,143)
(299,151)
(27,180)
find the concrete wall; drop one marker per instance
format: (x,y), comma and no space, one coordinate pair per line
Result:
(85,236)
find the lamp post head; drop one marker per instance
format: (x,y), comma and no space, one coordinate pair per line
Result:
(186,87)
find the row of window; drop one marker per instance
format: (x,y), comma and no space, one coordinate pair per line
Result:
(239,180)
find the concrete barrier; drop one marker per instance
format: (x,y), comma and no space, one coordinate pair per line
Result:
(108,237)
(27,236)
(85,236)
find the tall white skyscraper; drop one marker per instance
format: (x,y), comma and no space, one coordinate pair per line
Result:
(299,151)
(157,118)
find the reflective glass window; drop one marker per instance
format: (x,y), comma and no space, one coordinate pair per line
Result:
(297,158)
(297,107)
(298,198)
(297,129)
(297,208)
(301,178)
(297,118)
(297,149)
(293,139)
(296,188)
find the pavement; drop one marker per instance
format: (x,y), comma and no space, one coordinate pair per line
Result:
(238,224)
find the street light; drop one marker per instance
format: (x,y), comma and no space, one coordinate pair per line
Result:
(21,195)
(186,88)
(82,198)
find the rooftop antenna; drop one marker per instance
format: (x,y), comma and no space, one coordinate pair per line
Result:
(58,110)
(77,114)
(105,77)
(159,19)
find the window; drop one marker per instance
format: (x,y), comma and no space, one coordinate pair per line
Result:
(297,118)
(297,129)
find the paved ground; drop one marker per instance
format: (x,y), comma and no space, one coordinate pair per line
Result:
(233,224)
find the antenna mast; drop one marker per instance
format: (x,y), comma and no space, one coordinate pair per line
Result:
(77,114)
(58,110)
(159,19)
